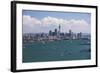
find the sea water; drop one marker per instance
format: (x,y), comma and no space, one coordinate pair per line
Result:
(56,51)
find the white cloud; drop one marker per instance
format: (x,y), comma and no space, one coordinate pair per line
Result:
(77,26)
(31,24)
(30,20)
(52,21)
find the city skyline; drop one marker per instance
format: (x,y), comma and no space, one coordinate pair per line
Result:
(43,21)
(53,35)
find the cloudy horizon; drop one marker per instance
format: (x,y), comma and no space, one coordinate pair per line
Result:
(42,21)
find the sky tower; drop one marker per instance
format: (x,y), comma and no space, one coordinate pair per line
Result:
(59,28)
(59,31)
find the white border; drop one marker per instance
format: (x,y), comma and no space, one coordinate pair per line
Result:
(36,65)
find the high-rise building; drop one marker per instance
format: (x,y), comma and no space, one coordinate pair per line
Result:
(55,31)
(79,35)
(50,32)
(70,34)
(59,31)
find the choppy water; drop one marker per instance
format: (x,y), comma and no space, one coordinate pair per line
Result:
(56,51)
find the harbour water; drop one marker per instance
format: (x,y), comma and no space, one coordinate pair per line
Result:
(59,50)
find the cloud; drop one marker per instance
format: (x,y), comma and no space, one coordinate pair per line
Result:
(30,24)
(53,21)
(33,25)
(27,20)
(77,26)
(50,21)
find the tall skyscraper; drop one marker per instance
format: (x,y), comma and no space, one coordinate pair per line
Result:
(59,28)
(59,31)
(55,31)
(70,34)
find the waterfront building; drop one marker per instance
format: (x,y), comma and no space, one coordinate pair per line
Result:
(79,35)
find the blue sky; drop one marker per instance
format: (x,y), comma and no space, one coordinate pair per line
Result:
(63,15)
